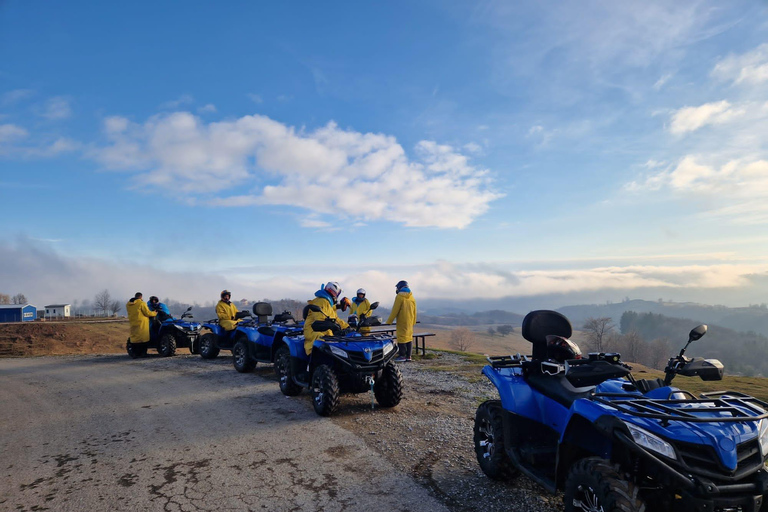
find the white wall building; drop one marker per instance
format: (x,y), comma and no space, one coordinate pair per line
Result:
(57,311)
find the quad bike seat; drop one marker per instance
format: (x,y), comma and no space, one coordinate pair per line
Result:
(557,387)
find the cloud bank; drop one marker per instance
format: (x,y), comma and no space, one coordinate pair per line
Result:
(327,171)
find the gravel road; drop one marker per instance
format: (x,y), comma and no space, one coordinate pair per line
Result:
(180,434)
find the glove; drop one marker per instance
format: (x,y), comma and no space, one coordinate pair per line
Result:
(241,314)
(348,330)
(345,303)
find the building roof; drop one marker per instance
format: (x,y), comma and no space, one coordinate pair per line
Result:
(14,306)
(56,305)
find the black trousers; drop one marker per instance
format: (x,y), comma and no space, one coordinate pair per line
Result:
(404,349)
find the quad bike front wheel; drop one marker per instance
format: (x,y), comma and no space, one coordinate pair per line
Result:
(284,371)
(135,350)
(167,346)
(388,388)
(489,442)
(241,358)
(325,390)
(595,485)
(208,348)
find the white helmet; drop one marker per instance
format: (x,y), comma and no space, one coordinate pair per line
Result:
(361,290)
(333,289)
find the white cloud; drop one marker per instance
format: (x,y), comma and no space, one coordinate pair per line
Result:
(328,171)
(750,68)
(209,108)
(11,133)
(688,119)
(473,147)
(662,81)
(12,97)
(184,99)
(56,108)
(255,98)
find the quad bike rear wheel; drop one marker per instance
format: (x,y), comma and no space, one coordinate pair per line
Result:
(388,388)
(285,372)
(489,442)
(167,346)
(208,348)
(595,485)
(135,350)
(241,358)
(325,390)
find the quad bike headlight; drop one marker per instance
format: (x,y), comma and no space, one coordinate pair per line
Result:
(388,347)
(764,437)
(651,442)
(337,351)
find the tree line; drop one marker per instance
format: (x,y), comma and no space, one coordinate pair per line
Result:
(651,339)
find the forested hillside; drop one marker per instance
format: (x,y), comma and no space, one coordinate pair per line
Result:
(742,353)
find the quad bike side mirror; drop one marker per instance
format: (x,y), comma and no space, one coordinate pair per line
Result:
(189,308)
(375,305)
(697,332)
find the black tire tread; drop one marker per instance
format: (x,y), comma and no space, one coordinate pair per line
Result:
(619,495)
(283,360)
(213,352)
(167,346)
(388,388)
(499,467)
(249,363)
(326,380)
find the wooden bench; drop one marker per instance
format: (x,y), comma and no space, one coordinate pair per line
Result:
(417,337)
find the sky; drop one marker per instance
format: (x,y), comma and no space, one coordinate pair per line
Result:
(562,151)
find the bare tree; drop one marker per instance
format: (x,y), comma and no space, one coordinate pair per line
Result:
(491,331)
(5,299)
(598,330)
(19,298)
(114,307)
(462,338)
(102,301)
(632,347)
(659,351)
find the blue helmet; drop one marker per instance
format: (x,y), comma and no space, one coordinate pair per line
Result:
(402,284)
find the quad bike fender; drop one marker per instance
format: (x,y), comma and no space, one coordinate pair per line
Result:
(515,394)
(296,347)
(582,437)
(215,329)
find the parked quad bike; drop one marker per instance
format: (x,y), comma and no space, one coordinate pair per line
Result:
(346,362)
(612,442)
(167,335)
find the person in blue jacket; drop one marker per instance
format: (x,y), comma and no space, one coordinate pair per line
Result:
(163,313)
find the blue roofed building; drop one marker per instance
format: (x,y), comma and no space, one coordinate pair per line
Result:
(17,313)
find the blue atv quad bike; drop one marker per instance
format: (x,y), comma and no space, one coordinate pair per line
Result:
(346,362)
(167,334)
(258,339)
(253,338)
(615,443)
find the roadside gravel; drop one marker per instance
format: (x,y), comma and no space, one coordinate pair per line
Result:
(429,435)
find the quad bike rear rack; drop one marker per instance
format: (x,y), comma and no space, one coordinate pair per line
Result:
(713,407)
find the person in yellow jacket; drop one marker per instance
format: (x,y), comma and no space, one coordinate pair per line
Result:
(404,312)
(227,312)
(361,307)
(325,298)
(138,318)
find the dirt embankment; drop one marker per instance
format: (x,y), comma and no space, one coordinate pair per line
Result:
(62,338)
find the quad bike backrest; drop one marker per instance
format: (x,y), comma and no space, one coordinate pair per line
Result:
(537,325)
(262,310)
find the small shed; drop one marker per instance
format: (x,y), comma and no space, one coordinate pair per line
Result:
(57,310)
(17,313)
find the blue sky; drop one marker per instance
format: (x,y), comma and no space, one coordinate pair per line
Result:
(478,149)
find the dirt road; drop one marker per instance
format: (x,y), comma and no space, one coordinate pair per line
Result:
(176,434)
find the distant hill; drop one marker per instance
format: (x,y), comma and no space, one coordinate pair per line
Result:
(745,319)
(741,353)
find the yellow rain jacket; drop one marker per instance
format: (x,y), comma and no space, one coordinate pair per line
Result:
(226,312)
(328,310)
(404,311)
(138,318)
(364,308)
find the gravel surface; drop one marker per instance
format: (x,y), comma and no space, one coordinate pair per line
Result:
(429,435)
